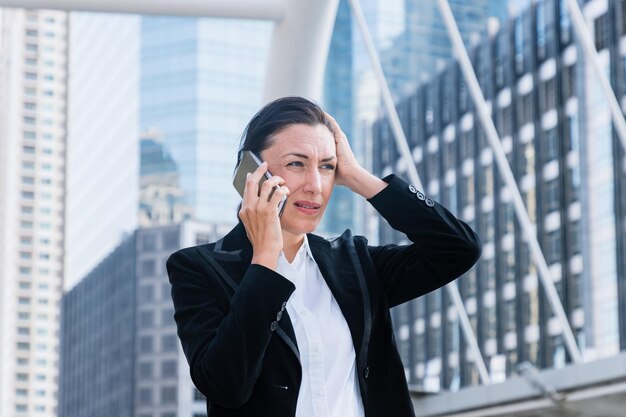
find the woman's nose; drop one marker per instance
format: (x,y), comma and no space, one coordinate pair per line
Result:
(313,183)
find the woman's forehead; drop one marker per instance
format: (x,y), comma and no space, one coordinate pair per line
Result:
(305,139)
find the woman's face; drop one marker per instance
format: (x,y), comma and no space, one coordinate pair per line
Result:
(305,157)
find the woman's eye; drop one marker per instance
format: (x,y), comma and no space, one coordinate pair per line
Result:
(295,164)
(330,167)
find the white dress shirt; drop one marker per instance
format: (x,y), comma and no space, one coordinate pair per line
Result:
(329,386)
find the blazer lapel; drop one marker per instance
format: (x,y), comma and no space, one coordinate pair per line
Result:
(336,263)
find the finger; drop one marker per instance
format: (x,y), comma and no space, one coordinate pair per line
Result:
(337,129)
(268,186)
(278,194)
(251,189)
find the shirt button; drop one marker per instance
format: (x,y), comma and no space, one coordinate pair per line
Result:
(274,326)
(366,373)
(420,195)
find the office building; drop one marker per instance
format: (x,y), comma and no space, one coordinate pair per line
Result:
(191,82)
(103,135)
(411,40)
(555,127)
(33,76)
(201,81)
(120,355)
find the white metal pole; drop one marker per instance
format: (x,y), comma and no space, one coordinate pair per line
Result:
(238,9)
(401,141)
(299,49)
(507,175)
(592,55)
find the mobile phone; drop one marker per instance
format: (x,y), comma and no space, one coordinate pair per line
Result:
(249,163)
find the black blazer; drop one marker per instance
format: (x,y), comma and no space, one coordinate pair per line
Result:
(237,335)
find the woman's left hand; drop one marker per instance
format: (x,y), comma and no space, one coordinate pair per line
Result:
(347,165)
(349,172)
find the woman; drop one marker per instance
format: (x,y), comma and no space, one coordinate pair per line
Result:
(276,321)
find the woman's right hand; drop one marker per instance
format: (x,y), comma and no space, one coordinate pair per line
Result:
(259,215)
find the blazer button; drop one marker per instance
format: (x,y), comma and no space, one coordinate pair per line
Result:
(430,202)
(366,373)
(420,195)
(279,315)
(412,189)
(282,307)
(274,326)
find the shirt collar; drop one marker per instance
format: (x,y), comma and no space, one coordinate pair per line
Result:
(305,248)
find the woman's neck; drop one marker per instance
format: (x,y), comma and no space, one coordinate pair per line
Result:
(291,244)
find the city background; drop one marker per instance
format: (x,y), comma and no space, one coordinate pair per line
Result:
(118,139)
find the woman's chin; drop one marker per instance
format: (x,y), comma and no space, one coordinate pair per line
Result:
(300,227)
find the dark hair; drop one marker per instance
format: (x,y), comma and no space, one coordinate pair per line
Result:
(276,116)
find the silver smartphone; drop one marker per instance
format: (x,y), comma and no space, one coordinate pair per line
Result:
(249,163)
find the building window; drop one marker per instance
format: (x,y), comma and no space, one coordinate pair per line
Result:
(168,395)
(551,144)
(504,121)
(553,247)
(552,195)
(23,346)
(146,370)
(146,294)
(169,369)
(203,238)
(148,267)
(466,142)
(467,190)
(575,239)
(146,319)
(601,31)
(569,81)
(167,317)
(148,242)
(169,343)
(145,396)
(547,95)
(170,239)
(525,109)
(146,344)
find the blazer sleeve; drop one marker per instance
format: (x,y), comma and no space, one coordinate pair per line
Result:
(224,339)
(442,249)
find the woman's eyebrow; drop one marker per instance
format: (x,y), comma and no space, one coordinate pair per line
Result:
(299,155)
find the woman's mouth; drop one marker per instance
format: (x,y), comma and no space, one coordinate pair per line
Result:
(307,207)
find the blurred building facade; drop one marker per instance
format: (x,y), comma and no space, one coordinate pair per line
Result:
(33,91)
(120,355)
(556,130)
(411,41)
(192,82)
(201,81)
(103,155)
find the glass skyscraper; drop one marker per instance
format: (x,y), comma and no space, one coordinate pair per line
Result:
(201,81)
(413,45)
(556,130)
